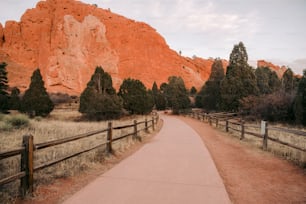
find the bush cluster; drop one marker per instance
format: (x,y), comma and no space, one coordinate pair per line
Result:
(9,122)
(256,92)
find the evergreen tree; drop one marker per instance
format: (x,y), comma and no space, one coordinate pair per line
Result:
(193,91)
(163,87)
(176,94)
(15,99)
(4,96)
(154,93)
(36,101)
(158,98)
(288,81)
(99,100)
(300,102)
(240,80)
(161,102)
(209,97)
(274,82)
(155,88)
(267,80)
(135,97)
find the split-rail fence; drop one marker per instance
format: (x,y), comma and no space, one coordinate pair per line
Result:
(28,149)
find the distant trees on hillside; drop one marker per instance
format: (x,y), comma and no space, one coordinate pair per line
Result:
(257,92)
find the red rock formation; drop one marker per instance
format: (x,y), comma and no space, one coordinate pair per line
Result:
(279,70)
(67,39)
(1,34)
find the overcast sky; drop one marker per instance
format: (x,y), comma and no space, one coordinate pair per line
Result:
(274,30)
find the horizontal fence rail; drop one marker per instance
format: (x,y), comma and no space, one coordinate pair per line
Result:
(234,122)
(29,148)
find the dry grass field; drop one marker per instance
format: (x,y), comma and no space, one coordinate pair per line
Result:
(294,155)
(59,124)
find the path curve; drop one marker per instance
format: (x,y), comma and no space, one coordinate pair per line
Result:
(175,167)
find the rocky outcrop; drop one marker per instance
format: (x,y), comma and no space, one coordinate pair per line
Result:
(280,70)
(1,34)
(67,39)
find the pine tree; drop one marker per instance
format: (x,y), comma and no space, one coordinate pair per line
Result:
(240,80)
(300,102)
(154,88)
(36,101)
(176,94)
(288,81)
(99,100)
(209,97)
(15,99)
(193,91)
(267,80)
(154,93)
(135,97)
(158,98)
(4,96)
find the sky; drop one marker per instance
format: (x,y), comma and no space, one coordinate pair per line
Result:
(274,30)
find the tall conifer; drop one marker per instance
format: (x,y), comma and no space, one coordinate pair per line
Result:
(4,96)
(209,97)
(99,100)
(240,80)
(36,101)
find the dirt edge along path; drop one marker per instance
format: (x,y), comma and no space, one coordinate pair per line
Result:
(251,175)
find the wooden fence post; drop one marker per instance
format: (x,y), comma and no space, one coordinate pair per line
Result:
(135,136)
(217,122)
(135,129)
(226,125)
(26,185)
(109,148)
(146,124)
(203,117)
(209,119)
(153,123)
(242,130)
(265,137)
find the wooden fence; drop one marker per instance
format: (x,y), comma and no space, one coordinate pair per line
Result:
(28,149)
(232,121)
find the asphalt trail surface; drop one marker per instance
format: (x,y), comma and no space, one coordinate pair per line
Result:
(174,167)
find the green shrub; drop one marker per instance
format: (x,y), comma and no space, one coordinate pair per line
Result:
(17,121)
(5,126)
(1,117)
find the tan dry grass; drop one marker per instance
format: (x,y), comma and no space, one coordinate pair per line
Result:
(60,125)
(297,156)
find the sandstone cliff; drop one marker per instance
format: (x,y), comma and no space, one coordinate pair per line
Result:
(67,39)
(279,70)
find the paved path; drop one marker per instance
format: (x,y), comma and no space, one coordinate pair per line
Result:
(174,167)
